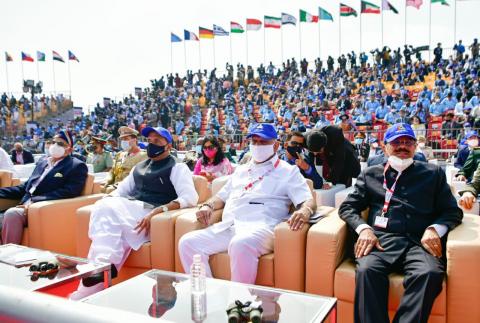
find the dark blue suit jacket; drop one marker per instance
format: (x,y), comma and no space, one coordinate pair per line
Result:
(65,180)
(27,157)
(462,156)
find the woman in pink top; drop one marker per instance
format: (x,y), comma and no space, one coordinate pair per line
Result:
(213,163)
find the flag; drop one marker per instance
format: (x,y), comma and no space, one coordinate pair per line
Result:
(288,19)
(40,56)
(205,33)
(174,38)
(442,2)
(8,57)
(272,22)
(388,6)
(324,14)
(236,28)
(72,57)
(414,3)
(26,57)
(306,17)
(346,11)
(253,24)
(367,7)
(188,35)
(57,57)
(219,31)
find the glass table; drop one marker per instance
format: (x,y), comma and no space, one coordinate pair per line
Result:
(167,295)
(70,269)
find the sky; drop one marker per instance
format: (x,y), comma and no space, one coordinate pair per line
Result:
(124,44)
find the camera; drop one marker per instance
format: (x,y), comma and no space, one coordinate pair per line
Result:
(238,312)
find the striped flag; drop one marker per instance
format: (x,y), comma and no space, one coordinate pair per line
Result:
(188,35)
(414,3)
(324,14)
(26,57)
(368,7)
(72,57)
(346,11)
(174,38)
(8,57)
(236,28)
(272,22)
(388,6)
(288,19)
(40,56)
(57,57)
(205,33)
(306,17)
(442,2)
(253,24)
(219,31)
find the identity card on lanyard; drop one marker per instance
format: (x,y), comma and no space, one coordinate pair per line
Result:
(382,221)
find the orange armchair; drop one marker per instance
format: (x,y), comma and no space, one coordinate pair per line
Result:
(330,273)
(283,268)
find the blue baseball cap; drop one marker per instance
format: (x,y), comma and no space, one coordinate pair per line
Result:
(399,130)
(67,136)
(471,134)
(160,130)
(263,130)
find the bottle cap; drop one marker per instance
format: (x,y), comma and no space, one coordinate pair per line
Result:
(197,258)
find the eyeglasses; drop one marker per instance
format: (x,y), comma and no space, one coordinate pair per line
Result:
(408,143)
(295,143)
(60,143)
(209,147)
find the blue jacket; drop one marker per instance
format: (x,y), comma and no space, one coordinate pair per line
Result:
(65,180)
(311,174)
(462,156)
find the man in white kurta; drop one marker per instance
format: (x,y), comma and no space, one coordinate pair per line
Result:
(256,197)
(121,221)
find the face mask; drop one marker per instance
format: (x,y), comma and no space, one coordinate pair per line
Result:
(358,141)
(155,150)
(198,149)
(472,142)
(125,144)
(56,151)
(399,164)
(293,151)
(210,153)
(261,153)
(421,144)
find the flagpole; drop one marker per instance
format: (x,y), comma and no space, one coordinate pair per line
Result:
(264,46)
(231,59)
(429,31)
(281,45)
(300,39)
(319,38)
(54,85)
(69,79)
(339,33)
(6,75)
(185,54)
(171,57)
(455,24)
(23,76)
(405,24)
(246,39)
(38,72)
(214,52)
(360,28)
(381,21)
(199,56)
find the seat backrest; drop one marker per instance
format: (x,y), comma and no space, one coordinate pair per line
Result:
(5,178)
(88,187)
(201,186)
(218,183)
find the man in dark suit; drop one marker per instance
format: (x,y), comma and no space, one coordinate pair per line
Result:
(21,156)
(58,177)
(339,159)
(410,210)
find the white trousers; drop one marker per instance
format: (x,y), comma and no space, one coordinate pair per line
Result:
(111,230)
(244,249)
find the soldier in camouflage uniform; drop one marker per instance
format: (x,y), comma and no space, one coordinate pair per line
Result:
(101,159)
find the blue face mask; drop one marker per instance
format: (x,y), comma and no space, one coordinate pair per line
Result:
(358,141)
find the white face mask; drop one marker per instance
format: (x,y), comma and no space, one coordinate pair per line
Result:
(399,164)
(125,144)
(421,144)
(261,153)
(56,151)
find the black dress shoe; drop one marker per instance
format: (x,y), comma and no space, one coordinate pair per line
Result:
(98,278)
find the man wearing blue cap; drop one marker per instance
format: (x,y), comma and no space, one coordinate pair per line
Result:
(121,221)
(255,198)
(410,210)
(59,176)
(471,142)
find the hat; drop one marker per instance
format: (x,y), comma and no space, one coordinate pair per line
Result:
(67,136)
(125,131)
(263,130)
(470,134)
(399,130)
(159,130)
(102,141)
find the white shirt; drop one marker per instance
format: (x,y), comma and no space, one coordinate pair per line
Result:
(267,202)
(5,161)
(181,178)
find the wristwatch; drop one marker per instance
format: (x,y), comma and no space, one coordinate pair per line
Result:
(164,208)
(206,204)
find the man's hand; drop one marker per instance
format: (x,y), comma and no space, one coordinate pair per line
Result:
(301,163)
(467,200)
(298,219)
(204,214)
(365,243)
(431,241)
(461,178)
(144,224)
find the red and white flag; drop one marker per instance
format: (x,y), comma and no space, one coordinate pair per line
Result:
(253,24)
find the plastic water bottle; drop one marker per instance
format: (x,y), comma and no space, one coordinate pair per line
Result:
(198,289)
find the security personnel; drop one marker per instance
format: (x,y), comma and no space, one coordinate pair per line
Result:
(124,161)
(411,209)
(102,160)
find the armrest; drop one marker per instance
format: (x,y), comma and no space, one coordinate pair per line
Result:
(7,203)
(162,237)
(463,266)
(188,222)
(52,224)
(83,222)
(325,251)
(16,181)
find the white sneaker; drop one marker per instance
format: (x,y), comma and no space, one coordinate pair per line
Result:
(83,291)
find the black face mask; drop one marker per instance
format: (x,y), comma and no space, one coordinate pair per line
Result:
(292,150)
(155,150)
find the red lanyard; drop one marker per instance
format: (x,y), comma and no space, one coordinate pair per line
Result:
(388,191)
(259,179)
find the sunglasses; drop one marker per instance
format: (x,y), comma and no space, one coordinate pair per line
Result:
(60,143)
(209,147)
